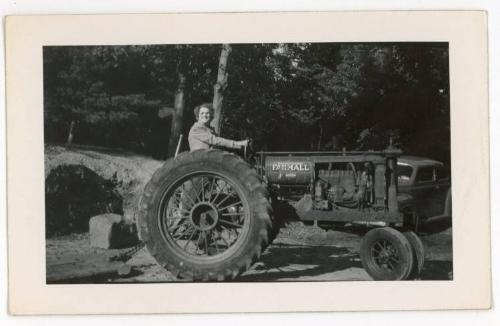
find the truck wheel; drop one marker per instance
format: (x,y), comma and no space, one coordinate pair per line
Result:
(418,252)
(386,254)
(205,215)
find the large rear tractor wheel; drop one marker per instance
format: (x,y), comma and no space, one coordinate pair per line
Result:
(386,254)
(205,216)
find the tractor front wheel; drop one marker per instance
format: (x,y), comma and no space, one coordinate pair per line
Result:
(386,254)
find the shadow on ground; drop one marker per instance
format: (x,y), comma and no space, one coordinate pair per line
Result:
(101,278)
(296,262)
(319,263)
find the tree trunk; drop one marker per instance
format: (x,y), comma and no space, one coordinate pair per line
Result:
(69,140)
(320,138)
(176,127)
(220,86)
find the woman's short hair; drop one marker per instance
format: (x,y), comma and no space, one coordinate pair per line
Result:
(209,106)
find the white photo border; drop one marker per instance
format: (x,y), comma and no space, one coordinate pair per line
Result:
(466,33)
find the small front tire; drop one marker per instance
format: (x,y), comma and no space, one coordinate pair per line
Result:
(386,254)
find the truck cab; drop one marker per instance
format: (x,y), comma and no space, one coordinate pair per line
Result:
(427,183)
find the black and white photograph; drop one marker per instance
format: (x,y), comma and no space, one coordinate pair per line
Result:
(247,162)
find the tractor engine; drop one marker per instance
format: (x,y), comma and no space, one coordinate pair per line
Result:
(326,185)
(347,187)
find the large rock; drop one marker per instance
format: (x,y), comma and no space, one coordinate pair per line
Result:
(109,231)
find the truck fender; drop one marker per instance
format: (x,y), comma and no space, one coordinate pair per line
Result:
(406,203)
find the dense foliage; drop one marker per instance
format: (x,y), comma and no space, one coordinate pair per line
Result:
(73,194)
(310,96)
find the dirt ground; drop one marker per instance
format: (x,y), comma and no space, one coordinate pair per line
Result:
(299,253)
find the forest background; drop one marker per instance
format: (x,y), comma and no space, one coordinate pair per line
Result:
(300,96)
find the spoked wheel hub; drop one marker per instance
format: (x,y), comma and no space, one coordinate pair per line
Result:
(384,255)
(204,216)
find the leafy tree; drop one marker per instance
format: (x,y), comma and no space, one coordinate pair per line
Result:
(320,96)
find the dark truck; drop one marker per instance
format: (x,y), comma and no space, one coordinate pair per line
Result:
(208,215)
(427,186)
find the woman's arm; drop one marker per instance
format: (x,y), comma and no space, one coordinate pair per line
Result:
(204,135)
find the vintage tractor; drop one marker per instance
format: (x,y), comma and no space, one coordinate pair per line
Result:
(207,215)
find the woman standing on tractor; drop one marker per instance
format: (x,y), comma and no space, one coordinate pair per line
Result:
(203,136)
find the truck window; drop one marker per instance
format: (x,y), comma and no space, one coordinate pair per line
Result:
(425,174)
(404,173)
